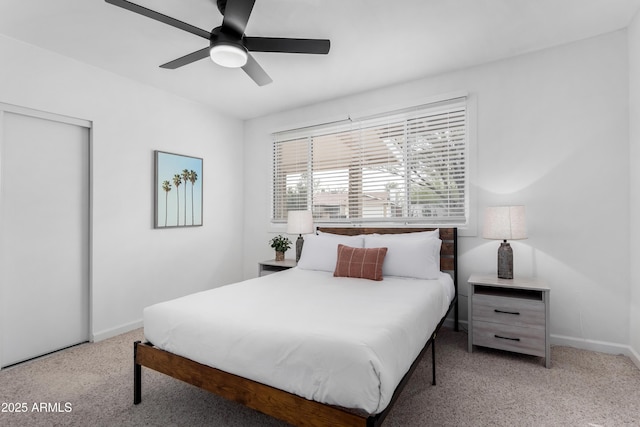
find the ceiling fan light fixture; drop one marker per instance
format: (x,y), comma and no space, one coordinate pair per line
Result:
(229,55)
(228,44)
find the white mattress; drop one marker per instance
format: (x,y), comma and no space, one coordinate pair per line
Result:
(340,341)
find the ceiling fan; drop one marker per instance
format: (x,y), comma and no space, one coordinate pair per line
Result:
(228,45)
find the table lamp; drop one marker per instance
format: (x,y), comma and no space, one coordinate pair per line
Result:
(505,223)
(299,222)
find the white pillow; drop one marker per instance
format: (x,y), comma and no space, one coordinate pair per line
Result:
(420,235)
(320,252)
(410,257)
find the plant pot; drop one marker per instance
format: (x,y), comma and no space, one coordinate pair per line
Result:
(279,256)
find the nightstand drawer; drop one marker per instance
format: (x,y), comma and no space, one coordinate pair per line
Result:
(510,338)
(512,311)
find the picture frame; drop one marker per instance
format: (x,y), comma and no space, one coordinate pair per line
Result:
(177,190)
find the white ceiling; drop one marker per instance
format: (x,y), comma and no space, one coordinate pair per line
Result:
(374,43)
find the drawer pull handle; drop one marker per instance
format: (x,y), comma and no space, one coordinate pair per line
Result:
(507,338)
(507,312)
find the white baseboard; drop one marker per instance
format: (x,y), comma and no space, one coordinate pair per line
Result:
(593,345)
(634,356)
(584,344)
(109,333)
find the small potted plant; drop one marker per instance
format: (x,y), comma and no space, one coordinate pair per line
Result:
(280,244)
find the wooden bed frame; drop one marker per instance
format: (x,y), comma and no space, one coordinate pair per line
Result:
(278,403)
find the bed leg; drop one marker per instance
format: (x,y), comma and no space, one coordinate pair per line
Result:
(433,359)
(137,376)
(456,317)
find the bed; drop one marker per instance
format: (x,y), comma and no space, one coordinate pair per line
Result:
(324,350)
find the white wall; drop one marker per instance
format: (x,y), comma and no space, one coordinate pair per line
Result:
(134,265)
(552,134)
(634,137)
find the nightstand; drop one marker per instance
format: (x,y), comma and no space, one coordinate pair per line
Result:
(510,314)
(273,266)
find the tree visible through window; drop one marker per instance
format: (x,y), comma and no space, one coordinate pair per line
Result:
(404,166)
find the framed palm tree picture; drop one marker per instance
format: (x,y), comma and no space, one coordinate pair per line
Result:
(178,190)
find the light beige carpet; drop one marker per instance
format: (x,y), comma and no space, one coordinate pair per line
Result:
(91,385)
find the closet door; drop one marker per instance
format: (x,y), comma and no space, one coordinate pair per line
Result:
(44,236)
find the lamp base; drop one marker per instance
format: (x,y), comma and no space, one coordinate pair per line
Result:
(505,261)
(299,243)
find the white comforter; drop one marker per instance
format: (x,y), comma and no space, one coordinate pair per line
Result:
(339,341)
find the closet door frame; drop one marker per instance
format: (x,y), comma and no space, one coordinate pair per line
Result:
(88,124)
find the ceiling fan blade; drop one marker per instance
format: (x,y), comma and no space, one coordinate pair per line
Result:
(255,71)
(236,15)
(160,17)
(275,44)
(187,59)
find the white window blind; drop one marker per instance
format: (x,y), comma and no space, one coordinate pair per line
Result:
(407,166)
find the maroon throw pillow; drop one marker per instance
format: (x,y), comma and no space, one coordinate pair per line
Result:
(363,263)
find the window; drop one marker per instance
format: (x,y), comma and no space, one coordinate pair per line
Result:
(407,166)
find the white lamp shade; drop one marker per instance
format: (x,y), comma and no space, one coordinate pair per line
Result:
(299,222)
(504,223)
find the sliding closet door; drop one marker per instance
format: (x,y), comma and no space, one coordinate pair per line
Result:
(44,236)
